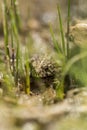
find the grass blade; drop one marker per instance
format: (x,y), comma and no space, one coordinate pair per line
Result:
(61,30)
(27,87)
(5,27)
(16,13)
(27,70)
(74,60)
(68,25)
(15,31)
(56,45)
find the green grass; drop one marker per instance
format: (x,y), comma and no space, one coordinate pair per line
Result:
(72,66)
(62,49)
(27,72)
(68,29)
(18,62)
(11,26)
(5,27)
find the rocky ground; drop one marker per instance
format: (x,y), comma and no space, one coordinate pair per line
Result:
(25,112)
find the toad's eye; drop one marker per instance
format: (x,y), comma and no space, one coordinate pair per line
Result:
(71,38)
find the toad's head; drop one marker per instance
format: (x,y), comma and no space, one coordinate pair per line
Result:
(78,34)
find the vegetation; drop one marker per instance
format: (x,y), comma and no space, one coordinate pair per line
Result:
(39,83)
(11,25)
(63,51)
(18,63)
(71,68)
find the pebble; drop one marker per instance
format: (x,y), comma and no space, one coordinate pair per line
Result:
(33,24)
(30,126)
(49,17)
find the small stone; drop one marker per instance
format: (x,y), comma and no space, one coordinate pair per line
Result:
(30,126)
(48,17)
(45,35)
(33,24)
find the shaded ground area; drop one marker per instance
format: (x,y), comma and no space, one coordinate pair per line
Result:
(27,112)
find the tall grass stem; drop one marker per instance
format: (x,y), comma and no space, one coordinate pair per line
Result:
(68,26)
(61,30)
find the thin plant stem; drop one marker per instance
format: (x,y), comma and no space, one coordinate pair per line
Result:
(61,30)
(73,60)
(56,44)
(16,14)
(27,87)
(27,71)
(68,25)
(5,27)
(15,31)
